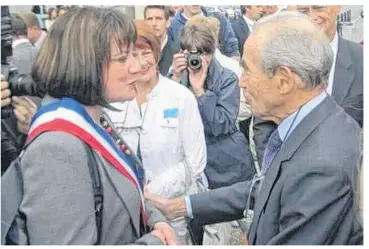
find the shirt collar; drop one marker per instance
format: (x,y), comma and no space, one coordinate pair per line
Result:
(19,41)
(284,126)
(249,22)
(334,44)
(40,39)
(165,42)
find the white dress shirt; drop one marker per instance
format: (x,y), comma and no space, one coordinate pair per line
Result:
(164,43)
(172,136)
(334,47)
(249,22)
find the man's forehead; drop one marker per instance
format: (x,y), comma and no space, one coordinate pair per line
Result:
(155,12)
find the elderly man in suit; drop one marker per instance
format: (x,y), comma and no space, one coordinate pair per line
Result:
(345,82)
(304,194)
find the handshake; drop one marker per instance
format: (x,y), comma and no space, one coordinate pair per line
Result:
(24,108)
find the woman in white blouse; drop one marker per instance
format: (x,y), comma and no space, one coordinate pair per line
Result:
(163,125)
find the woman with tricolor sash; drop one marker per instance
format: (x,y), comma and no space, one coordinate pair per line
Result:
(163,126)
(82,67)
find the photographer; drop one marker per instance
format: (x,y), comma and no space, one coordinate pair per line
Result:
(16,112)
(218,97)
(15,127)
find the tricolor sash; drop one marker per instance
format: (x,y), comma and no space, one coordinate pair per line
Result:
(69,116)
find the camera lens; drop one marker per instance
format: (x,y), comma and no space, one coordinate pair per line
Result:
(195,62)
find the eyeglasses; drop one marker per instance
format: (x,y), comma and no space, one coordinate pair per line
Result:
(314,9)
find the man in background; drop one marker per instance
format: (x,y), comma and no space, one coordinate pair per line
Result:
(24,53)
(244,25)
(157,16)
(34,32)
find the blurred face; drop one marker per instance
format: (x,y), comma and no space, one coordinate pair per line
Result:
(61,12)
(147,66)
(324,15)
(269,9)
(193,9)
(176,7)
(156,19)
(119,84)
(33,34)
(259,91)
(54,14)
(254,12)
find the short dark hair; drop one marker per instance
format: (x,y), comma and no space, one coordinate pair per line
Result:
(19,26)
(73,58)
(162,7)
(244,7)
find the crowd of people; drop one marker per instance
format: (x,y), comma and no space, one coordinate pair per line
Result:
(170,129)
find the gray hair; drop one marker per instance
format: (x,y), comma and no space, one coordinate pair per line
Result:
(19,27)
(30,19)
(297,42)
(199,36)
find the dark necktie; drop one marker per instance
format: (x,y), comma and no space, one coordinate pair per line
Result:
(271,150)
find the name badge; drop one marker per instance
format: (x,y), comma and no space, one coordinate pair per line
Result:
(170,117)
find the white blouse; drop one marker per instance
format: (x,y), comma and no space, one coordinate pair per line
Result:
(169,131)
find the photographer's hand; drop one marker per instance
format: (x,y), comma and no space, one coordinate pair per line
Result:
(179,65)
(197,78)
(5,92)
(24,109)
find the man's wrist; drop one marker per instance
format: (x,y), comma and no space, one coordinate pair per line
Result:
(178,208)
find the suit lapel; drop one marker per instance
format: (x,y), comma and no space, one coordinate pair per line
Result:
(300,133)
(127,193)
(343,73)
(244,27)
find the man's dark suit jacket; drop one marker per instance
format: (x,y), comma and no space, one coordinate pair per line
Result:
(242,31)
(166,56)
(308,191)
(347,91)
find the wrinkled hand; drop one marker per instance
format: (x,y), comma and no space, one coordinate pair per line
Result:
(5,92)
(172,209)
(179,65)
(168,232)
(24,109)
(197,77)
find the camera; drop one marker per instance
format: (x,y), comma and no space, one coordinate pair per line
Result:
(194,60)
(18,84)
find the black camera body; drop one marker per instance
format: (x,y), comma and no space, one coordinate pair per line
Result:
(18,84)
(194,60)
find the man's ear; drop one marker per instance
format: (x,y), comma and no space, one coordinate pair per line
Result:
(285,80)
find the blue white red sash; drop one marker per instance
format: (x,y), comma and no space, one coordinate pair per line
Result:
(69,116)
